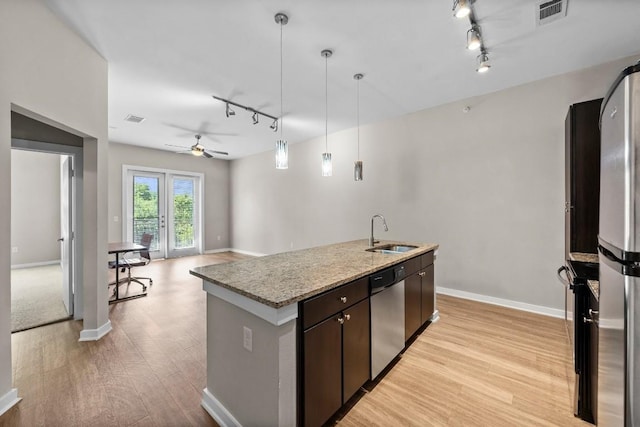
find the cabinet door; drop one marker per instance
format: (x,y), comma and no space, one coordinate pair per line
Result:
(428,293)
(356,345)
(412,305)
(592,394)
(322,371)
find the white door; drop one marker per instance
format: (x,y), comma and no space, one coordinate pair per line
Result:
(66,230)
(166,205)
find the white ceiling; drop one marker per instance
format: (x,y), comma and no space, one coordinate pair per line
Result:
(167,57)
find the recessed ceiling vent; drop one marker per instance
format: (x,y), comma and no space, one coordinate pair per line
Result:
(550,10)
(133,119)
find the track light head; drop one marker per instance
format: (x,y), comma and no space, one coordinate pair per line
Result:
(274,125)
(461,8)
(474,40)
(255,118)
(483,62)
(229,111)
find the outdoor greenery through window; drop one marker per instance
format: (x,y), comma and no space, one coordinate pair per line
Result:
(183,198)
(146,210)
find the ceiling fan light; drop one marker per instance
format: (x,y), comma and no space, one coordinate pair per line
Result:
(461,8)
(197,151)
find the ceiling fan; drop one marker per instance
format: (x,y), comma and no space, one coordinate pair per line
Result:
(198,149)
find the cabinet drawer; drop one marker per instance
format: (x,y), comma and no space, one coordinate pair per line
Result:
(427,259)
(412,265)
(324,305)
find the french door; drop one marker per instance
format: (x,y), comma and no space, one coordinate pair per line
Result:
(167,205)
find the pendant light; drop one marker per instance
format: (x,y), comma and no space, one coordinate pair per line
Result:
(282,147)
(357,165)
(326,156)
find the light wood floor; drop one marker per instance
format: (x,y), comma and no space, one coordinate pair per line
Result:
(479,365)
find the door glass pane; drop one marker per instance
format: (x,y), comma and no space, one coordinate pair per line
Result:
(146,209)
(183,212)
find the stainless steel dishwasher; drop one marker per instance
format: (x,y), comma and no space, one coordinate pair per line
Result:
(387,317)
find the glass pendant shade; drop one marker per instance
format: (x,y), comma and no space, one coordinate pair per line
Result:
(327,168)
(461,9)
(357,170)
(282,154)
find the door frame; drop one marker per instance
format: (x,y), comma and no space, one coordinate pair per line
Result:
(76,283)
(126,169)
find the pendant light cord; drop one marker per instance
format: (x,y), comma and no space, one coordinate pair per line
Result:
(326,103)
(281,120)
(358,114)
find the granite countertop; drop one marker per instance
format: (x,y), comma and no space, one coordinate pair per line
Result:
(594,285)
(583,257)
(286,278)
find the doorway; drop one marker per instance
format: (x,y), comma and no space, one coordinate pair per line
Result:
(166,204)
(42,228)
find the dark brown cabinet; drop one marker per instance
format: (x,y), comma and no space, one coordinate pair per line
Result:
(582,177)
(336,351)
(419,294)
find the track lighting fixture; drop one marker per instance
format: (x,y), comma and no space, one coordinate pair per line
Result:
(229,111)
(464,8)
(326,156)
(473,38)
(255,114)
(282,146)
(483,62)
(461,8)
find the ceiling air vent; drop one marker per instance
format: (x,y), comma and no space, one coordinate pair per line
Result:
(133,119)
(550,10)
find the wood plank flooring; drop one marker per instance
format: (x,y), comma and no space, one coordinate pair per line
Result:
(480,365)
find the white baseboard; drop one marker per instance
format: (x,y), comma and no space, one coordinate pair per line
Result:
(538,309)
(34,264)
(9,400)
(217,411)
(95,334)
(239,251)
(217,251)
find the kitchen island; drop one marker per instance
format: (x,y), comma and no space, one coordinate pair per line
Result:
(253,325)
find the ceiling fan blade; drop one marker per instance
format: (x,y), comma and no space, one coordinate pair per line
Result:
(207,155)
(177,146)
(222,153)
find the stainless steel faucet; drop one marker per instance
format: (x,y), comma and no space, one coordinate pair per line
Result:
(384,222)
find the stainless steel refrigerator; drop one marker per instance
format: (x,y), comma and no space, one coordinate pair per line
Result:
(619,254)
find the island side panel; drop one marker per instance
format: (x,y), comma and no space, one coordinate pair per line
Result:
(257,387)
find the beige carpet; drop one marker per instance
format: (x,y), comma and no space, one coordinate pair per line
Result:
(36,296)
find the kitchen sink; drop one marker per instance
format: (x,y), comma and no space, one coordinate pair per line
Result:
(392,249)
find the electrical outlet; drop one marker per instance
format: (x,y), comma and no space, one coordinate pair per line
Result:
(218,238)
(247,338)
(14,250)
(291,245)
(116,219)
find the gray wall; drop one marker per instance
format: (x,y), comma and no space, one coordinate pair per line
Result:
(48,73)
(35,207)
(487,185)
(216,187)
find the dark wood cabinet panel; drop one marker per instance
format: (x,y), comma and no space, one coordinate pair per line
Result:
(324,305)
(356,344)
(412,305)
(593,359)
(322,371)
(582,177)
(428,293)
